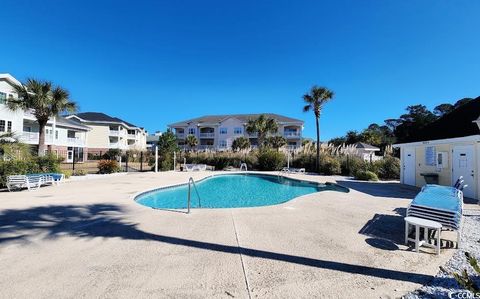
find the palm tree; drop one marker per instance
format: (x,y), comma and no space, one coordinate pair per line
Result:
(276,142)
(45,100)
(240,144)
(191,141)
(263,126)
(315,100)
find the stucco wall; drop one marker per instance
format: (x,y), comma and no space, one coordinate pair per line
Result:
(444,174)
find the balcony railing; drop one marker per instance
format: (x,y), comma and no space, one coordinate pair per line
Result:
(252,135)
(114,132)
(180,135)
(75,141)
(292,134)
(207,135)
(131,136)
(33,137)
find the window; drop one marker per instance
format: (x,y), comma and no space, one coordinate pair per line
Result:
(430,155)
(222,144)
(191,131)
(3,97)
(56,134)
(2,126)
(223,131)
(9,126)
(238,131)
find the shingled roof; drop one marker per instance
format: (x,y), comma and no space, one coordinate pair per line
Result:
(101,117)
(458,123)
(211,119)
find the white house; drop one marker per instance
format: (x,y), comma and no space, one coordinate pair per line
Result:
(62,137)
(445,150)
(366,151)
(217,132)
(107,132)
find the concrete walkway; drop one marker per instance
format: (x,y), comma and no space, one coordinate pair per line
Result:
(90,239)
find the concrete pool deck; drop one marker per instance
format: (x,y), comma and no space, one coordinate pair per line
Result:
(88,238)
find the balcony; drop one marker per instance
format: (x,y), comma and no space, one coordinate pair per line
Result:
(180,135)
(292,134)
(131,136)
(207,135)
(75,141)
(252,135)
(114,133)
(33,137)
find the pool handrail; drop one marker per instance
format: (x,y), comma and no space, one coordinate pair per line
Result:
(191,182)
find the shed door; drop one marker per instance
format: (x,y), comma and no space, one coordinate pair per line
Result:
(409,166)
(463,165)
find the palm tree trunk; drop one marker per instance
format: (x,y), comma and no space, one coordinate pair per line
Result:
(318,143)
(41,138)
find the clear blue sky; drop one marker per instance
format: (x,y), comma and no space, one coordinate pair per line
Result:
(157,62)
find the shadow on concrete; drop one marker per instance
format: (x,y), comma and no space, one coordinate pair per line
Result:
(387,231)
(106,221)
(389,190)
(389,228)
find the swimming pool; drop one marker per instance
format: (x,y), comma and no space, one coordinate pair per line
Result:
(233,191)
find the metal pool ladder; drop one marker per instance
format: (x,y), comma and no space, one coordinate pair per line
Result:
(243,165)
(190,183)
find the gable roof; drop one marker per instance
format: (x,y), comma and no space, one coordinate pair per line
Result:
(460,122)
(10,79)
(100,117)
(211,119)
(62,121)
(366,146)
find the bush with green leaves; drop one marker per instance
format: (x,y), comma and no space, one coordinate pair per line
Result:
(222,160)
(80,172)
(330,165)
(269,159)
(366,175)
(388,168)
(108,166)
(17,167)
(49,163)
(467,281)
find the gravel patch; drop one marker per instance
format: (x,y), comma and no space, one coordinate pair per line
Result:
(444,285)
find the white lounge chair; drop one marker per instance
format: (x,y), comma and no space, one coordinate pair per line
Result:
(23,181)
(195,167)
(293,170)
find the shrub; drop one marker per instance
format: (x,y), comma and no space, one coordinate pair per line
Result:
(306,161)
(351,165)
(66,172)
(49,163)
(365,175)
(330,165)
(270,160)
(80,172)
(388,168)
(17,167)
(112,154)
(108,166)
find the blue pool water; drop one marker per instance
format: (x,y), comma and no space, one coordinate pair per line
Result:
(232,191)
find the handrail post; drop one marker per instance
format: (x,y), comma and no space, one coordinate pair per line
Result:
(189,191)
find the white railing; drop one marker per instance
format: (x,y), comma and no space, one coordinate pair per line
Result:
(75,141)
(34,137)
(207,135)
(292,134)
(114,132)
(180,135)
(132,136)
(114,145)
(252,135)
